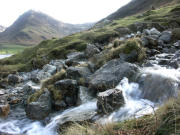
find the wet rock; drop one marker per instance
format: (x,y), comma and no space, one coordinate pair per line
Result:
(35,78)
(78,72)
(49,68)
(91,50)
(41,108)
(2,92)
(110,101)
(166,36)
(109,75)
(4,110)
(175,61)
(145,41)
(84,95)
(158,85)
(14,79)
(177,45)
(14,100)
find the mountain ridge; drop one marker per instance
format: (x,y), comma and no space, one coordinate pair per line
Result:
(32,27)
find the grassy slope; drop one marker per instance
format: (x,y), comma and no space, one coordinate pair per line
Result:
(36,57)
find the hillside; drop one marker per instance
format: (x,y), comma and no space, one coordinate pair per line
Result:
(32,27)
(137,6)
(2,28)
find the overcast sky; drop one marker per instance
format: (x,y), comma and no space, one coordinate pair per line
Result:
(69,11)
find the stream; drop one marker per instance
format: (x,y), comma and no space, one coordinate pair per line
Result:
(141,97)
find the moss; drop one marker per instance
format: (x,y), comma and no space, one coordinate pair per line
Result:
(34,97)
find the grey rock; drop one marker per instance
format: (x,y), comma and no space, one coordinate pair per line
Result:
(146,32)
(59,64)
(131,57)
(41,108)
(175,61)
(109,101)
(76,55)
(66,84)
(154,31)
(78,72)
(91,50)
(14,79)
(166,36)
(49,68)
(111,73)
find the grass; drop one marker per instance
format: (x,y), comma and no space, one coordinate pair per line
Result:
(11,48)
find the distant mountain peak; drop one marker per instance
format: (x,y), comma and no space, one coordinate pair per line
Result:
(34,26)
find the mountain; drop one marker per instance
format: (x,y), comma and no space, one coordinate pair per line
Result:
(32,27)
(2,28)
(137,6)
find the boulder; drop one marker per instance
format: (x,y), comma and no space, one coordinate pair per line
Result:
(158,85)
(131,57)
(123,31)
(109,101)
(14,79)
(4,110)
(49,68)
(111,73)
(91,50)
(69,92)
(41,108)
(78,72)
(166,36)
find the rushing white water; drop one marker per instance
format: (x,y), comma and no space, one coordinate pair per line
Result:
(134,105)
(2,56)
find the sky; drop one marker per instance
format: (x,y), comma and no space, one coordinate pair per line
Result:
(69,11)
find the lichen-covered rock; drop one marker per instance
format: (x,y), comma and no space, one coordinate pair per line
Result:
(4,110)
(111,73)
(41,108)
(109,101)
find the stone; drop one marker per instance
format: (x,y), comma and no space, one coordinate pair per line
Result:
(146,32)
(154,31)
(166,36)
(49,68)
(14,79)
(59,64)
(69,91)
(41,108)
(76,55)
(109,101)
(131,57)
(78,72)
(175,61)
(4,110)
(91,50)
(66,84)
(111,73)
(158,85)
